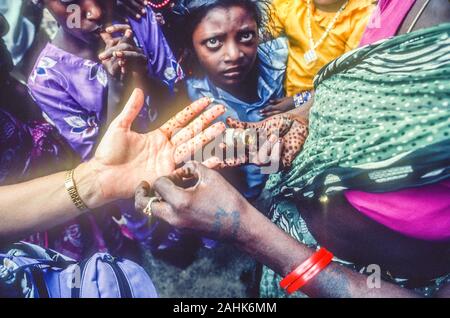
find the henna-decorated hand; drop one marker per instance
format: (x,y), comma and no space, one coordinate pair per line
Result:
(292,131)
(198,208)
(240,147)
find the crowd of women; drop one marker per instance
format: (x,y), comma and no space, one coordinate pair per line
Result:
(348,99)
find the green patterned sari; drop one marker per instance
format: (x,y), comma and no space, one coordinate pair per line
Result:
(380,123)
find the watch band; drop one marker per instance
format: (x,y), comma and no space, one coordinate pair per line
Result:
(73,192)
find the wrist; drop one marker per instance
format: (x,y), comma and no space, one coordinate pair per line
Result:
(251,230)
(269,244)
(87,177)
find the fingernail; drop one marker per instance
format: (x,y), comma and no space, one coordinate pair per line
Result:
(109,29)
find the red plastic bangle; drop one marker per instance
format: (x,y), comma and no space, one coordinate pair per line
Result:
(303,268)
(311,273)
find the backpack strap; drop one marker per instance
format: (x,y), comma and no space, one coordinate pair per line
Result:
(76,292)
(39,282)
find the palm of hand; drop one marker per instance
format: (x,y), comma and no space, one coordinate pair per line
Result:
(129,154)
(124,158)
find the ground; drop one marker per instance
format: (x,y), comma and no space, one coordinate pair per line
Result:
(222,272)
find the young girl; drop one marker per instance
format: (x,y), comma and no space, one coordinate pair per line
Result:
(318,31)
(229,64)
(73,86)
(80,91)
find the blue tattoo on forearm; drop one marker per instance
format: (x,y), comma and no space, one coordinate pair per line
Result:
(222,218)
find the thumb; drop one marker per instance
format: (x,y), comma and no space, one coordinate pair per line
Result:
(195,170)
(131,110)
(213,163)
(170,192)
(165,212)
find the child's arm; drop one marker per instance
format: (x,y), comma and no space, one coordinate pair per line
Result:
(116,90)
(162,65)
(120,58)
(298,105)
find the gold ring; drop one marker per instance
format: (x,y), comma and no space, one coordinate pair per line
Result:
(148,209)
(239,137)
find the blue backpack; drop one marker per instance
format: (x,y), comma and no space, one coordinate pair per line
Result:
(33,272)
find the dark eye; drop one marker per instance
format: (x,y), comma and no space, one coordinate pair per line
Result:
(213,43)
(247,37)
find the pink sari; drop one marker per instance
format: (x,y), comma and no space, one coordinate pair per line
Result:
(386,20)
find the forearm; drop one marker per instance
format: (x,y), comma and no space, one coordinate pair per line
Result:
(116,90)
(44,203)
(273,247)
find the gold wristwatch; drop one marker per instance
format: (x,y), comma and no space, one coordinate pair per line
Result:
(73,192)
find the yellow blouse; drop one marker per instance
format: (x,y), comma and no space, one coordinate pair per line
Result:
(289,18)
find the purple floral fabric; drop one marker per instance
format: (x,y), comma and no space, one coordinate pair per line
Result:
(31,150)
(72,91)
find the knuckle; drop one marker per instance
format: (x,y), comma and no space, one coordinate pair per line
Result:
(139,204)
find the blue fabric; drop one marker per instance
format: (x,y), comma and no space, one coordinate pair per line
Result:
(272,67)
(26,270)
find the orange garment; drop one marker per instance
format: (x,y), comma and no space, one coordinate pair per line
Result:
(290,18)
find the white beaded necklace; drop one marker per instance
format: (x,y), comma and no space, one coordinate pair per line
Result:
(311,55)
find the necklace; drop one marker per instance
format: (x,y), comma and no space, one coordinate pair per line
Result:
(159,5)
(311,55)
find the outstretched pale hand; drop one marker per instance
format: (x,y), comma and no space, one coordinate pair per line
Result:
(124,158)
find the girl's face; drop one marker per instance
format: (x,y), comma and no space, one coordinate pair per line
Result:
(226,44)
(91,14)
